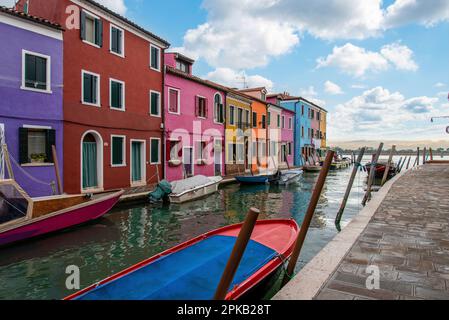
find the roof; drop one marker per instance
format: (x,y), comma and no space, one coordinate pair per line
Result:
(253,89)
(127,21)
(182,57)
(284,97)
(31,18)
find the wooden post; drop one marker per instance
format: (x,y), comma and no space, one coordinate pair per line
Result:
(372,175)
(387,169)
(431,154)
(417,157)
(408,163)
(349,188)
(309,215)
(403,164)
(424,156)
(399,164)
(237,254)
(56,163)
(8,162)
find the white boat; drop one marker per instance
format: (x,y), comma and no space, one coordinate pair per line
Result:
(193,188)
(290,176)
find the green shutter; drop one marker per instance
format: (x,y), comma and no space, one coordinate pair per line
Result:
(117,151)
(83,25)
(23,145)
(154,103)
(41,73)
(87,87)
(99,32)
(116,95)
(94,82)
(154,151)
(30,71)
(114,47)
(50,141)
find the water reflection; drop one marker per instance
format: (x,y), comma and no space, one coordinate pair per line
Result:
(129,234)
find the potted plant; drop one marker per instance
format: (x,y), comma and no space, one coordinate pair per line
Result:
(38,157)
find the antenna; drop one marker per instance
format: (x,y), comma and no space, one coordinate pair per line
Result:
(242,77)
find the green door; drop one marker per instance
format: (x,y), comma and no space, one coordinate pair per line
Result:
(136,166)
(90,177)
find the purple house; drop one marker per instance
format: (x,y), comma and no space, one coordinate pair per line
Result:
(31,78)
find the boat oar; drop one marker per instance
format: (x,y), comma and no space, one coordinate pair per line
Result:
(349,188)
(237,254)
(308,218)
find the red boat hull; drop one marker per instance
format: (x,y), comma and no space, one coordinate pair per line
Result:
(77,216)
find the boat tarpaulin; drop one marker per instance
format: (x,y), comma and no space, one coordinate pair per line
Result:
(190,274)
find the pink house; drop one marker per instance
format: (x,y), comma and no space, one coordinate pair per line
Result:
(194,122)
(287,137)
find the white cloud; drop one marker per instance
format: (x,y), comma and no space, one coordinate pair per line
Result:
(115,5)
(233,79)
(357,61)
(439,85)
(7,3)
(358,86)
(309,92)
(426,12)
(381,113)
(332,88)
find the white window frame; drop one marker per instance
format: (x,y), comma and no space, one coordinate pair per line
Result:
(205,106)
(158,150)
(216,110)
(48,58)
(229,155)
(238,160)
(123,109)
(176,143)
(98,104)
(159,115)
(179,101)
(123,151)
(121,55)
(91,15)
(159,60)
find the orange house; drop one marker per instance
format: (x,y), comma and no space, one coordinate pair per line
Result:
(259,124)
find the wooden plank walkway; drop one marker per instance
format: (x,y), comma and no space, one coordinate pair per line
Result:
(407,239)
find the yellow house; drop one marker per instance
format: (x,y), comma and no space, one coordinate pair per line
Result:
(238,133)
(323,129)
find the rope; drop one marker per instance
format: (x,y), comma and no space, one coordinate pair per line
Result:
(29,175)
(12,205)
(284,266)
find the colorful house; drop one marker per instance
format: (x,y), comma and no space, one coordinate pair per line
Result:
(287,148)
(259,149)
(194,122)
(274,124)
(31,105)
(113,85)
(323,130)
(238,133)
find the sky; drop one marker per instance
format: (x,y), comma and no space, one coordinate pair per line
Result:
(381,68)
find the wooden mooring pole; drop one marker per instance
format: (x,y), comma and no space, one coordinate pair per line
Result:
(372,174)
(417,157)
(408,163)
(357,165)
(237,254)
(316,194)
(431,154)
(424,160)
(8,162)
(56,163)
(387,169)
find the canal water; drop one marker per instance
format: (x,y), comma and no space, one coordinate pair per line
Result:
(129,234)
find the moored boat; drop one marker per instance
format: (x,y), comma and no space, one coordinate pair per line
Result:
(192,270)
(22,217)
(263,178)
(380,170)
(290,176)
(193,188)
(309,168)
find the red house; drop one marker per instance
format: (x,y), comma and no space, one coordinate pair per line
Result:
(113,96)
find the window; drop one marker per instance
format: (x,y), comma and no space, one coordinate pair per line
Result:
(91,29)
(218,109)
(290,148)
(269,118)
(279,120)
(240,118)
(273,148)
(36,71)
(262,149)
(155,151)
(182,66)
(254,119)
(117,94)
(247,117)
(312,114)
(232,115)
(90,88)
(240,153)
(312,133)
(117,41)
(155,103)
(155,58)
(254,151)
(263,121)
(283,122)
(174,150)
(318,116)
(200,151)
(290,121)
(118,148)
(201,107)
(173,101)
(230,154)
(302,132)
(35,145)
(302,110)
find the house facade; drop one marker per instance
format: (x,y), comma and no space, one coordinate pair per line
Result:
(274,125)
(238,135)
(194,122)
(31,115)
(287,145)
(113,94)
(323,130)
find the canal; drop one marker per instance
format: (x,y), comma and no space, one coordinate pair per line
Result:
(129,234)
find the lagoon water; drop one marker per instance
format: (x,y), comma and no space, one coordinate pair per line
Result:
(129,234)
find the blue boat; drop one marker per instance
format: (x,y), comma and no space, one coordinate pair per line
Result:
(259,179)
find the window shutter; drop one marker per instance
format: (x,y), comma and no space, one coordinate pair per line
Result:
(197,106)
(50,141)
(119,41)
(206,109)
(94,89)
(83,25)
(23,145)
(222,113)
(114,38)
(99,32)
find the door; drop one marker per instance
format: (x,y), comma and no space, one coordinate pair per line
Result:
(137,164)
(187,160)
(2,158)
(247,155)
(218,156)
(283,153)
(90,162)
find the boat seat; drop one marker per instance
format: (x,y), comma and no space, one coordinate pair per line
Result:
(189,274)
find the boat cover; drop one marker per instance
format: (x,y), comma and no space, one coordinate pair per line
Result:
(190,274)
(181,186)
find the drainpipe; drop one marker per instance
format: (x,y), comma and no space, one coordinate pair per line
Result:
(294,135)
(164,140)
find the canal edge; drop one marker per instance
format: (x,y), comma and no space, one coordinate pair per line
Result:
(307,284)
